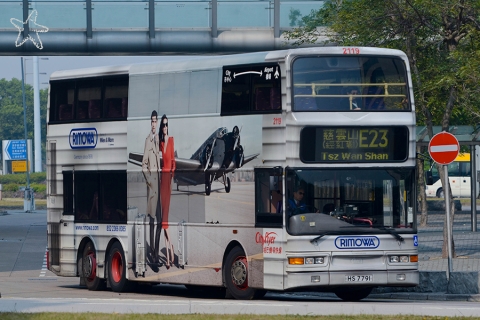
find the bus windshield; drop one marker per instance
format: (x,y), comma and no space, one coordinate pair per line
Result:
(337,201)
(350,83)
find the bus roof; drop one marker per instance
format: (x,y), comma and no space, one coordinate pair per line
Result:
(89,72)
(210,62)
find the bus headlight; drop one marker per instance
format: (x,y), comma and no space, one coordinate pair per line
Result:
(306,260)
(403,259)
(394,259)
(319,260)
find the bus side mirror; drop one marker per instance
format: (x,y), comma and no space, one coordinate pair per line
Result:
(429,178)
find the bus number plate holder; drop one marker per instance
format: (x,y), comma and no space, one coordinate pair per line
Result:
(359,278)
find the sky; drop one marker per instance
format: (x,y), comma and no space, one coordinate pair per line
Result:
(10,66)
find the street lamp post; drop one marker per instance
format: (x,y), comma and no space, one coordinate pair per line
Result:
(36,118)
(37,135)
(28,200)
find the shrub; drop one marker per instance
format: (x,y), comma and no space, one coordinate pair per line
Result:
(10,187)
(38,177)
(21,178)
(38,187)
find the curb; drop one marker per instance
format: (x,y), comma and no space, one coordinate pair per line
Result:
(434,296)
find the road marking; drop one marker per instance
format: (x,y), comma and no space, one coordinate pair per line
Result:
(44,265)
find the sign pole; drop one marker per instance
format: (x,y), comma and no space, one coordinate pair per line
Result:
(449,232)
(27,200)
(443,149)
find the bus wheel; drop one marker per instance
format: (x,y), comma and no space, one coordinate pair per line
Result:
(117,268)
(89,269)
(236,275)
(351,294)
(440,193)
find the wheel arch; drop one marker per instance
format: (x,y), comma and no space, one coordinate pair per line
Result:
(80,249)
(231,245)
(107,250)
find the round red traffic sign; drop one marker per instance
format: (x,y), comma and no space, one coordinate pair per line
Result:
(443,148)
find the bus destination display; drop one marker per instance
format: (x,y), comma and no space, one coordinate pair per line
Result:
(354,144)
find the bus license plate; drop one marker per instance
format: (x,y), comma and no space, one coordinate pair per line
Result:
(364,278)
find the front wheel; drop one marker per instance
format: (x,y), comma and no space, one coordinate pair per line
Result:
(236,275)
(440,193)
(351,294)
(117,268)
(89,269)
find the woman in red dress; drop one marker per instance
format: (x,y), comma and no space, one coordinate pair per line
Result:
(168,168)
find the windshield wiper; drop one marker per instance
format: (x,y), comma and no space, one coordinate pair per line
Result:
(393,233)
(320,236)
(389,230)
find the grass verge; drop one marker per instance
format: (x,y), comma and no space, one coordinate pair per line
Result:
(103,316)
(12,203)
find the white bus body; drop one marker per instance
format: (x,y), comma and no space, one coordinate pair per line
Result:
(249,132)
(459,174)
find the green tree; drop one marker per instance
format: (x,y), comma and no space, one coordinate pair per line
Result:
(441,40)
(11,112)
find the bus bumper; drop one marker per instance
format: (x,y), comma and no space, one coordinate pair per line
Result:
(387,278)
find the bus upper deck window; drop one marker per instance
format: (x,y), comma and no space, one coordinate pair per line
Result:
(349,83)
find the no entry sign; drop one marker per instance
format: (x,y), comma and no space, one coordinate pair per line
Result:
(443,148)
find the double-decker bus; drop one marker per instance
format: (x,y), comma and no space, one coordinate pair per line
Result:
(283,170)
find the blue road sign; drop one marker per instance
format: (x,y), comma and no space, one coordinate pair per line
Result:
(16,149)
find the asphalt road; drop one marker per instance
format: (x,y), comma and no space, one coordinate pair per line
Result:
(26,286)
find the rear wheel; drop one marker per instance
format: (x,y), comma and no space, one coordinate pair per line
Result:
(236,275)
(117,269)
(89,269)
(353,294)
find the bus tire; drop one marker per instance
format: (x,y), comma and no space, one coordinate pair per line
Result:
(89,269)
(117,268)
(353,294)
(236,275)
(440,193)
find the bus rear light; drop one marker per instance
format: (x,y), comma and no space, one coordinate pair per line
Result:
(296,261)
